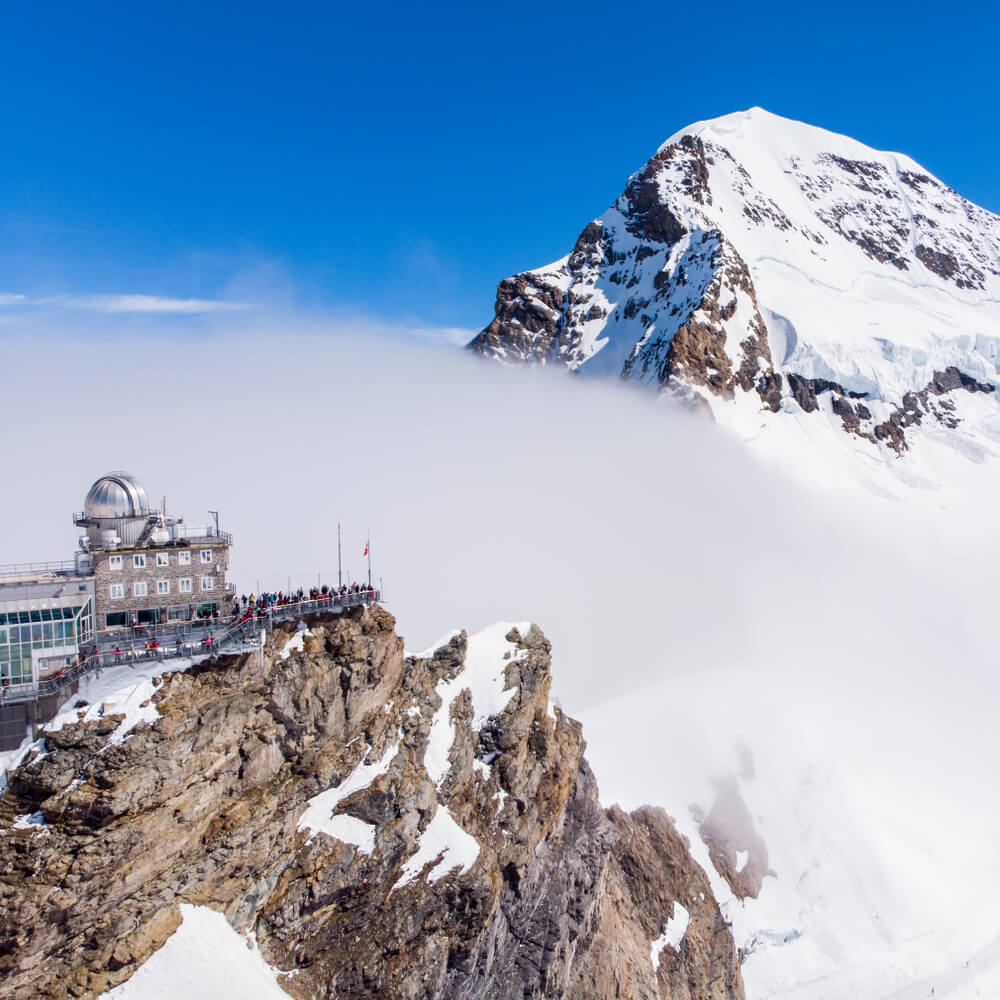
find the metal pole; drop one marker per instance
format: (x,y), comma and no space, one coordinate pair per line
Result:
(368,549)
(340,575)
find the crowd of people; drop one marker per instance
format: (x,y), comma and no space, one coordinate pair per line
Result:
(279,599)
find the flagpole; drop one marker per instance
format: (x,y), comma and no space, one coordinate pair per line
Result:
(368,549)
(340,575)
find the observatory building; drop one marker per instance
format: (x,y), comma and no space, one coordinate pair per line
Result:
(134,566)
(148,567)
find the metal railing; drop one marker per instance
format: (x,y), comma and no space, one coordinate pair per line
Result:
(19,569)
(206,637)
(207,531)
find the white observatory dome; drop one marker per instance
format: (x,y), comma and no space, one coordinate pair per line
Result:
(116,495)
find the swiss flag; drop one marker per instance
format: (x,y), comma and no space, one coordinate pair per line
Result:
(366,550)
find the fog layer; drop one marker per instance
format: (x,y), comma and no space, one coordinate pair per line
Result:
(696,601)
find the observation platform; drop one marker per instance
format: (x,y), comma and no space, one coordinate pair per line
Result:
(181,640)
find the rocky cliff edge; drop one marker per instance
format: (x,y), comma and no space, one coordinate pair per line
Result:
(385,825)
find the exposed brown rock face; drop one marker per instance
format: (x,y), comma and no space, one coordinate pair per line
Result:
(728,830)
(917,405)
(563,900)
(699,353)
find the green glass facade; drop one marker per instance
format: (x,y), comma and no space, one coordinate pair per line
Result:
(38,630)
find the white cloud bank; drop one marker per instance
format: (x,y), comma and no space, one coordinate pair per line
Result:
(149,304)
(695,600)
(122,303)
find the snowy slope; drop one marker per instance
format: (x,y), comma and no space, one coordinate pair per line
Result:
(204,959)
(881,877)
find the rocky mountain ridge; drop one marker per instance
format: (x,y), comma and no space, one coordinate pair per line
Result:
(382,824)
(760,261)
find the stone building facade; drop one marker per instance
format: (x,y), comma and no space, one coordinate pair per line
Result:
(159,583)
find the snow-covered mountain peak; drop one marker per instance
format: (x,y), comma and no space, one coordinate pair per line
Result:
(760,261)
(757,127)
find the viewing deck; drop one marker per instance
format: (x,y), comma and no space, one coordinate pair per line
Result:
(182,640)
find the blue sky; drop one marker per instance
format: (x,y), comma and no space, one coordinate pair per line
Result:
(398,161)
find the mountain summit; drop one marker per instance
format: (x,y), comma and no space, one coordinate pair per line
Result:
(786,269)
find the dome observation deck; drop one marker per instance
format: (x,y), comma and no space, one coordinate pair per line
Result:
(116,495)
(116,511)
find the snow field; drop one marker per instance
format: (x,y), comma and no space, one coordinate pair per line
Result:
(879,845)
(204,959)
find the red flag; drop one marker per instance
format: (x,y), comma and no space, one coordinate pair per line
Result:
(366,550)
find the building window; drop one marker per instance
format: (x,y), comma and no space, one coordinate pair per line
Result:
(183,558)
(139,561)
(184,586)
(117,591)
(162,558)
(206,555)
(163,586)
(208,583)
(139,588)
(116,619)
(114,562)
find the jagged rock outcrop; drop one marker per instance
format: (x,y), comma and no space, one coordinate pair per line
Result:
(765,262)
(387,827)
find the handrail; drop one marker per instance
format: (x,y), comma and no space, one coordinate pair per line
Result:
(234,628)
(210,531)
(16,569)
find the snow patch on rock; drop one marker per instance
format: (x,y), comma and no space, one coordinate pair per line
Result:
(445,841)
(204,959)
(319,818)
(673,934)
(484,677)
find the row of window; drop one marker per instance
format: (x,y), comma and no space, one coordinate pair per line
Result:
(140,587)
(162,559)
